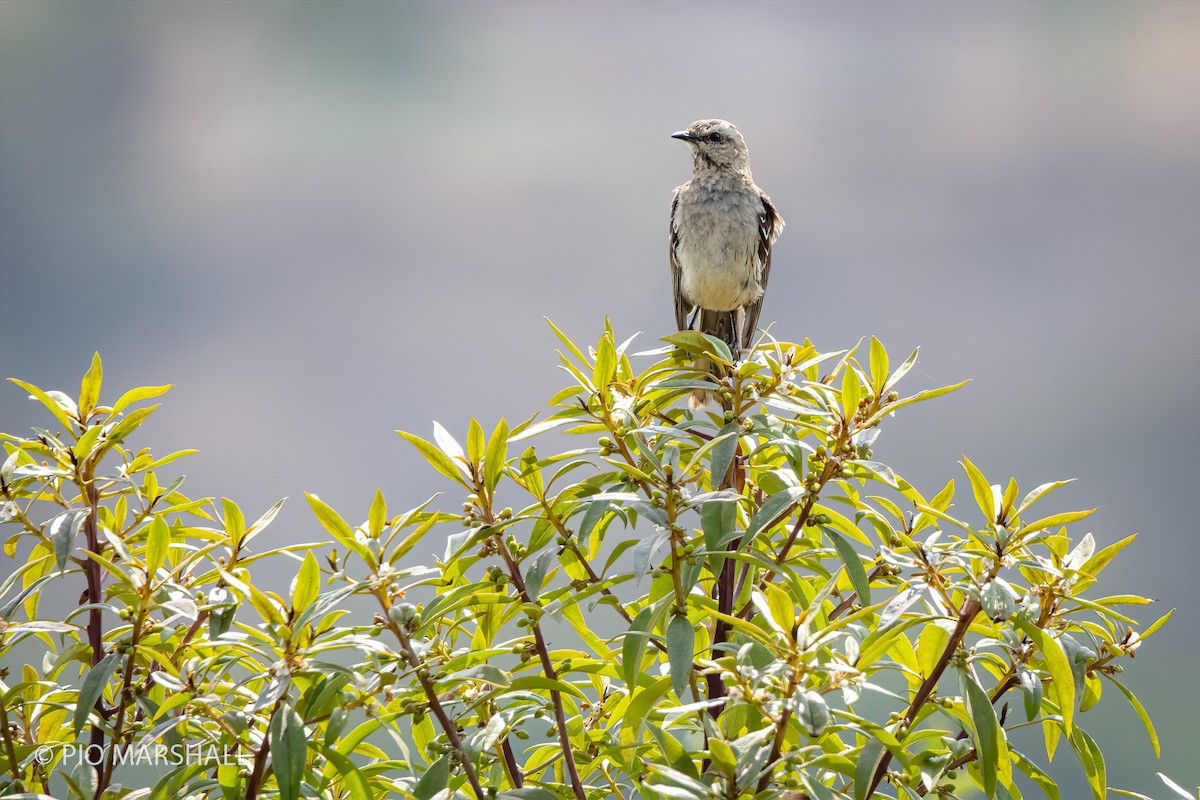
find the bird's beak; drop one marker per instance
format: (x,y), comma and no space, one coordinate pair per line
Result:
(687,137)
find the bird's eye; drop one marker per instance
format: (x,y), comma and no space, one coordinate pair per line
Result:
(715,137)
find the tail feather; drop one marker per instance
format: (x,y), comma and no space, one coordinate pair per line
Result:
(722,325)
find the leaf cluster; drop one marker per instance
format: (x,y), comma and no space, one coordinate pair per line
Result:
(685,605)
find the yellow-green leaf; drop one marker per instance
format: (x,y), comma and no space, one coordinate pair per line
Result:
(879,366)
(158,543)
(1059,667)
(495,455)
(981,489)
(89,388)
(681,640)
(307,585)
(436,458)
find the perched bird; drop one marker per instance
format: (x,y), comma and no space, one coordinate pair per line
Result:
(722,230)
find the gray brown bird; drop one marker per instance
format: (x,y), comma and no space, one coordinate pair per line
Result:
(722,230)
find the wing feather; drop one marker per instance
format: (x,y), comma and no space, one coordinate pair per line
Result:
(769,226)
(682,306)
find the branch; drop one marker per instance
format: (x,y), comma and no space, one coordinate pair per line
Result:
(435,705)
(970,608)
(260,757)
(539,642)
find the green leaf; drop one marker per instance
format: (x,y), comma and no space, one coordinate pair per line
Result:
(1092,760)
(235,523)
(137,395)
(985,729)
(377,515)
(1055,520)
(475,442)
(567,343)
(681,640)
(1140,710)
(308,584)
(1031,688)
(1036,774)
(86,443)
(531,474)
(633,646)
(289,746)
(352,779)
(879,470)
(94,681)
(723,757)
(724,445)
(1059,667)
(779,607)
(776,507)
(1104,556)
(59,412)
(89,388)
(495,455)
(1039,492)
(984,498)
(1158,623)
(528,793)
(537,574)
(851,393)
(264,605)
(262,522)
(640,705)
(338,528)
(931,643)
(901,371)
(879,366)
(606,362)
(62,531)
(673,751)
(919,397)
(531,682)
(436,458)
(717,518)
(854,567)
(158,543)
(865,766)
(812,712)
(700,344)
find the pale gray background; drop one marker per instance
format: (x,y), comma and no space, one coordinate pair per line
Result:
(326,221)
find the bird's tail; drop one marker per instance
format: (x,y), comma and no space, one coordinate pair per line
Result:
(723,325)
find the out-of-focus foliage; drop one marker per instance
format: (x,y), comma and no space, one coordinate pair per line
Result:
(740,602)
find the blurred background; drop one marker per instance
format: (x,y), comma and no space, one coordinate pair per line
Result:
(323,222)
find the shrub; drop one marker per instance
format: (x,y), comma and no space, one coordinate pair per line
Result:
(741,603)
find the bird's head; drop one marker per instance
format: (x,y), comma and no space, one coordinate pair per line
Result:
(716,143)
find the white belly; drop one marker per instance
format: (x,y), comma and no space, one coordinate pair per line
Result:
(721,279)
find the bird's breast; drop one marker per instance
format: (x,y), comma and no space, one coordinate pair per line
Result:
(718,249)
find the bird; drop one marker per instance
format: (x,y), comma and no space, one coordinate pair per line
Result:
(722,230)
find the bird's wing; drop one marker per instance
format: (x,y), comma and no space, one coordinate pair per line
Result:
(769,226)
(682,306)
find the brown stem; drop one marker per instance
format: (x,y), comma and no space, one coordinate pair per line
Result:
(435,705)
(539,643)
(511,765)
(9,749)
(725,592)
(260,757)
(780,728)
(95,625)
(970,608)
(110,761)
